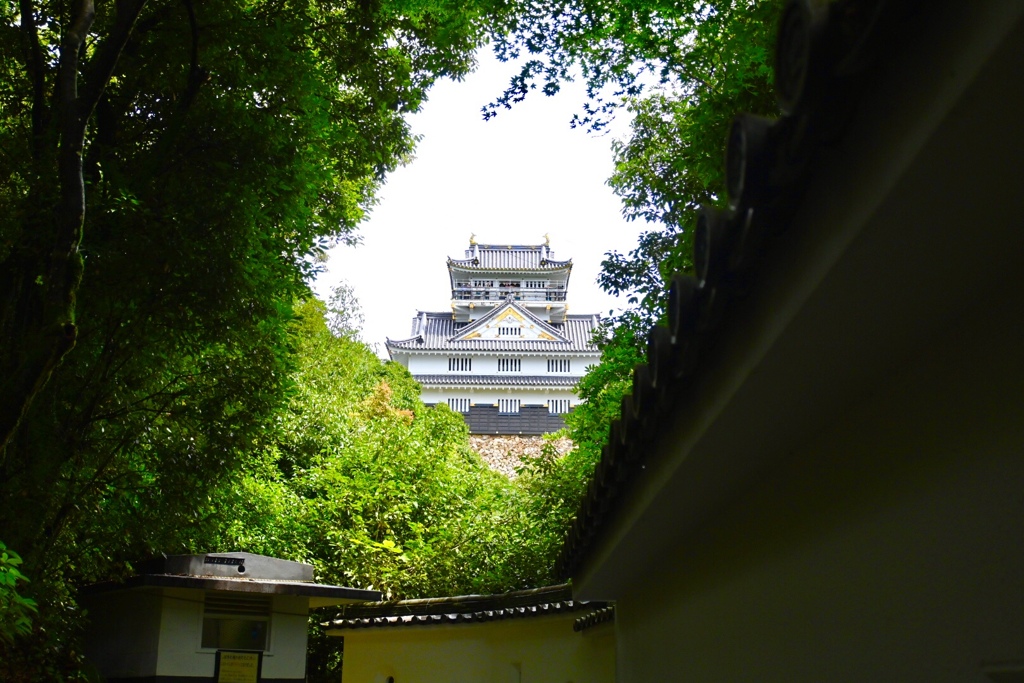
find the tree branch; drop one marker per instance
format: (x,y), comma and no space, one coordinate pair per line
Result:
(56,332)
(36,73)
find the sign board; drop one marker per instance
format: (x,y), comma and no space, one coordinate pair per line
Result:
(238,666)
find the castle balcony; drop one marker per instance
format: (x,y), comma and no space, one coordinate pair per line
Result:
(501,293)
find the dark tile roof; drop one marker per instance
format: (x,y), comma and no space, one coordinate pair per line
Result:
(826,54)
(503,380)
(596,617)
(436,330)
(464,609)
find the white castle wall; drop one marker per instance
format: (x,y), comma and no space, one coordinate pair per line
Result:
(488,365)
(485,396)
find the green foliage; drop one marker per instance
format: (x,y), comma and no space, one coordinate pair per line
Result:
(15,610)
(683,70)
(372,487)
(376,490)
(234,142)
(344,314)
(673,161)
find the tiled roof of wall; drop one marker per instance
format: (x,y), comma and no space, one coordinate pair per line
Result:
(437,329)
(825,52)
(465,609)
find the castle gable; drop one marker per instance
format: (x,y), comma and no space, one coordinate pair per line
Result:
(510,322)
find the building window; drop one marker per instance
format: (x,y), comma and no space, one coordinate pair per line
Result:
(483,283)
(509,331)
(510,365)
(508,405)
(460,364)
(558,365)
(535,284)
(459,405)
(236,622)
(558,406)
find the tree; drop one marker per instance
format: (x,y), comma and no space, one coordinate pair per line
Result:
(376,490)
(344,314)
(123,107)
(222,147)
(682,70)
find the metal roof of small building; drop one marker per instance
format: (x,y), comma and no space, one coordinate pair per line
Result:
(509,257)
(435,331)
(237,573)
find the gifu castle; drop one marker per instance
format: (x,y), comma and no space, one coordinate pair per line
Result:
(508,353)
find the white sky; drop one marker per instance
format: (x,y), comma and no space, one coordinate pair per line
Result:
(510,180)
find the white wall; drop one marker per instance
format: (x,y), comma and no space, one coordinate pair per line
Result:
(488,365)
(289,632)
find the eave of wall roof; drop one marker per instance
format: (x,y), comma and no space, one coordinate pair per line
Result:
(903,223)
(463,609)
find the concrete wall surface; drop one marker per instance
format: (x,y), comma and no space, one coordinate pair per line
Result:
(538,650)
(120,646)
(887,548)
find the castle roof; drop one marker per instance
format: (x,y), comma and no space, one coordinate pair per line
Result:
(511,310)
(509,257)
(437,331)
(498,380)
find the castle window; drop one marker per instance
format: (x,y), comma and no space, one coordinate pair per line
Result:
(558,365)
(558,406)
(509,331)
(460,365)
(459,405)
(510,365)
(508,405)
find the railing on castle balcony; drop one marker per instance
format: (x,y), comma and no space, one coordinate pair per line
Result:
(500,293)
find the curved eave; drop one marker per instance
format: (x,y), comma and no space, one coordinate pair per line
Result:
(547,267)
(498,381)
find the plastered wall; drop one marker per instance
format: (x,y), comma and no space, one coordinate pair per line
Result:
(539,650)
(887,547)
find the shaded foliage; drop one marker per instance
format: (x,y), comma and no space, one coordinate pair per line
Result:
(682,70)
(231,142)
(376,490)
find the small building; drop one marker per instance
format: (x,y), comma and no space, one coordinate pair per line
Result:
(508,354)
(214,617)
(819,474)
(532,636)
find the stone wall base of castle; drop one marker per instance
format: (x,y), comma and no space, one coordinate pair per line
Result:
(503,453)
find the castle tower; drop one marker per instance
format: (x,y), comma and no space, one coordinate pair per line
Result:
(509,353)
